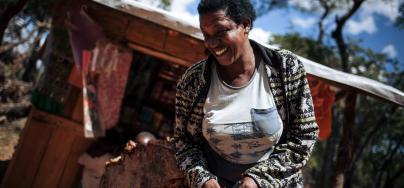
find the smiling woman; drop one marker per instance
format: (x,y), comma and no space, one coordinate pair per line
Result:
(228,42)
(244,115)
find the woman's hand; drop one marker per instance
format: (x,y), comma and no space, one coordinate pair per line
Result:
(248,182)
(212,183)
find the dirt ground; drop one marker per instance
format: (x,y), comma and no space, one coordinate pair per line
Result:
(14,109)
(9,135)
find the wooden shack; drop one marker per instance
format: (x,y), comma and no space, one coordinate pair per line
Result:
(163,47)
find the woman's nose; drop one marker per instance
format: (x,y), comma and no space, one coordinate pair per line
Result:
(211,42)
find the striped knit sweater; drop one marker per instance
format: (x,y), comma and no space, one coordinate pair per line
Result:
(288,83)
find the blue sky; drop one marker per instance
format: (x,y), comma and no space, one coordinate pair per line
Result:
(372,24)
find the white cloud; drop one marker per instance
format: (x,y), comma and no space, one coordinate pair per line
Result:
(366,14)
(305,4)
(260,35)
(179,9)
(363,25)
(387,8)
(150,2)
(390,51)
(369,9)
(304,23)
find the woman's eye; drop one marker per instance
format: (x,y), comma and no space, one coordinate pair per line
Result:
(222,32)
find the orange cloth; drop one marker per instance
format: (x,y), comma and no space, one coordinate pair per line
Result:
(75,78)
(323,99)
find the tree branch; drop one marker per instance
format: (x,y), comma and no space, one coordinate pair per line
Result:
(337,33)
(370,135)
(390,154)
(345,146)
(390,181)
(40,25)
(326,12)
(9,46)
(9,13)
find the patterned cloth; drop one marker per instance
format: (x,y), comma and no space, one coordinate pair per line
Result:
(288,82)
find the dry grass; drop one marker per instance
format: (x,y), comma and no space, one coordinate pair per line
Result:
(9,135)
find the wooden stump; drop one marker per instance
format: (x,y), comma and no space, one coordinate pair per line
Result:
(139,166)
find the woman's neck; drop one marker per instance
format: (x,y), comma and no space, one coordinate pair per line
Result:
(240,72)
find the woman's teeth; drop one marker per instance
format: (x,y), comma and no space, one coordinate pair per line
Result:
(220,52)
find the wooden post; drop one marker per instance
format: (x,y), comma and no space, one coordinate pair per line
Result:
(345,148)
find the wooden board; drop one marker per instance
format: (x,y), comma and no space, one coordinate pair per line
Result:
(78,112)
(113,22)
(54,160)
(72,97)
(72,171)
(149,36)
(47,153)
(181,45)
(146,33)
(31,150)
(57,121)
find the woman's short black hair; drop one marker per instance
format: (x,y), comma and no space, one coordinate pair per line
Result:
(237,10)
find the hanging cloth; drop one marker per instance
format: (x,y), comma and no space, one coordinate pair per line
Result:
(105,74)
(323,99)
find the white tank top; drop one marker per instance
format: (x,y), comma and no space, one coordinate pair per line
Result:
(241,124)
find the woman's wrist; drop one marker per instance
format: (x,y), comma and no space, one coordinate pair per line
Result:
(247,182)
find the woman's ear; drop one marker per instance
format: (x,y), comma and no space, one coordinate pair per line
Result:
(247,25)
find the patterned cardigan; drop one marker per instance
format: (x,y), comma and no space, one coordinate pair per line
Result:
(289,86)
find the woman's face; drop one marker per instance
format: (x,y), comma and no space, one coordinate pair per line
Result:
(226,40)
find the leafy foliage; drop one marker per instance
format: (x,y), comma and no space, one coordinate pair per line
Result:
(264,7)
(165,4)
(308,47)
(22,36)
(378,125)
(400,19)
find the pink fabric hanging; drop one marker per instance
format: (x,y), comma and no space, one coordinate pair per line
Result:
(105,74)
(104,67)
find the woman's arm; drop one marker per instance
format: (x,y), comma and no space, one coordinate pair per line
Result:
(283,166)
(188,154)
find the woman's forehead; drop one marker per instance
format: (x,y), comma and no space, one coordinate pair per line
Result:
(215,18)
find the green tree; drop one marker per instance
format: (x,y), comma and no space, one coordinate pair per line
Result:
(400,19)
(22,26)
(377,152)
(351,57)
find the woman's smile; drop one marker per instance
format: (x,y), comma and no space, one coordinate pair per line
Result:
(220,52)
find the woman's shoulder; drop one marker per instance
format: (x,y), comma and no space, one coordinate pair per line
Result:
(281,57)
(193,72)
(289,60)
(285,53)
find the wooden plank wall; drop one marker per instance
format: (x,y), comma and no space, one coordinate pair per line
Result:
(130,29)
(47,153)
